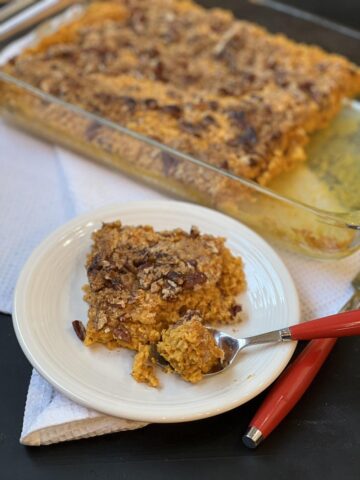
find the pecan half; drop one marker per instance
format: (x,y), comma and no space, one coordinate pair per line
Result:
(79,329)
(237,117)
(225,165)
(174,276)
(193,279)
(213,105)
(248,137)
(151,103)
(194,232)
(173,110)
(95,265)
(235,309)
(169,163)
(92,130)
(208,120)
(121,333)
(182,310)
(194,128)
(159,72)
(192,262)
(129,102)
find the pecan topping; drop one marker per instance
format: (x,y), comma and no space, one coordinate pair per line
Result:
(113,281)
(79,329)
(225,165)
(130,267)
(307,86)
(189,314)
(101,320)
(175,277)
(151,52)
(275,135)
(145,265)
(182,310)
(170,36)
(249,76)
(170,290)
(142,259)
(226,91)
(106,98)
(253,161)
(237,117)
(111,98)
(225,40)
(310,88)
(190,79)
(281,78)
(193,263)
(235,309)
(151,103)
(129,102)
(92,130)
(169,163)
(94,265)
(173,110)
(159,72)
(194,231)
(247,138)
(208,120)
(193,128)
(213,105)
(121,333)
(66,52)
(193,279)
(97,281)
(137,20)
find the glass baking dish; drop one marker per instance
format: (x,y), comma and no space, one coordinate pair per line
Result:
(314,209)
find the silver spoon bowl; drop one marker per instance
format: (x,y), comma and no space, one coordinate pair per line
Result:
(232,346)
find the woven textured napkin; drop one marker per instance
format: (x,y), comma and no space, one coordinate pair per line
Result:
(50,185)
(50,417)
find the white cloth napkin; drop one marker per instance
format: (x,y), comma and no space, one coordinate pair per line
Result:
(47,185)
(50,185)
(51,418)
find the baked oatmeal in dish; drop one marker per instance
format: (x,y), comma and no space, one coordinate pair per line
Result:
(142,282)
(221,89)
(241,102)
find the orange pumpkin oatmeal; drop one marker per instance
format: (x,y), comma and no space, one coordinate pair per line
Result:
(143,282)
(199,80)
(190,348)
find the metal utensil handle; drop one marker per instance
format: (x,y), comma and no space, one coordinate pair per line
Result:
(292,384)
(30,16)
(13,7)
(339,325)
(269,337)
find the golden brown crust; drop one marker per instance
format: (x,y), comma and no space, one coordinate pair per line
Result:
(222,90)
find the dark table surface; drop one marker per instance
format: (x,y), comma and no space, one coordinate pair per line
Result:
(319,438)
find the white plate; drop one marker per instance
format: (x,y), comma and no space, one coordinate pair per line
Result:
(48,297)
